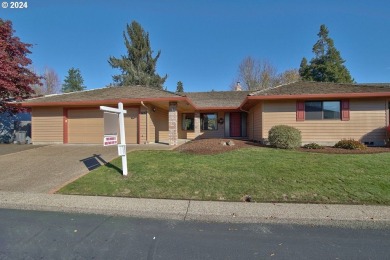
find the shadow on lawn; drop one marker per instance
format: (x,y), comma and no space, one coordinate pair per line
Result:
(96,161)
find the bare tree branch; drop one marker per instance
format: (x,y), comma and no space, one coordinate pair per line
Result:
(256,74)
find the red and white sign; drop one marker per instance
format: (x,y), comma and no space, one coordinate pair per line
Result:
(110,140)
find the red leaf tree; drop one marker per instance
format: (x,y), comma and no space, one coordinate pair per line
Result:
(15,77)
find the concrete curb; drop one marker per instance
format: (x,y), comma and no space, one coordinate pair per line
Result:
(230,212)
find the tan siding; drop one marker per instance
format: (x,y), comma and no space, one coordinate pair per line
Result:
(131,125)
(85,126)
(257,124)
(367,120)
(249,123)
(47,125)
(159,120)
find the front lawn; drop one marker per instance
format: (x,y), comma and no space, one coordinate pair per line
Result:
(267,175)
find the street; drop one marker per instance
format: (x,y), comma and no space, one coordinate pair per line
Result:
(53,235)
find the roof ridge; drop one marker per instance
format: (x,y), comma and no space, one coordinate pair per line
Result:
(102,88)
(271,88)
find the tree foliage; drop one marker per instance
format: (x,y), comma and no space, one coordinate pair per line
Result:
(138,66)
(73,81)
(15,77)
(327,64)
(255,74)
(179,87)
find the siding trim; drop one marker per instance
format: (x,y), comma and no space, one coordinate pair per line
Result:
(139,126)
(345,110)
(300,111)
(65,125)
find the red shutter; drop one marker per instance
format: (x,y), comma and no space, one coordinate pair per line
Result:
(300,111)
(345,110)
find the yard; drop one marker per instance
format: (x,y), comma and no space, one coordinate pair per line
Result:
(266,174)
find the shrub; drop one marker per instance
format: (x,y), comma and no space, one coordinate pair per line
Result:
(284,137)
(313,146)
(350,144)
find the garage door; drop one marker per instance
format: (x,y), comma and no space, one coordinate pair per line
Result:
(86,126)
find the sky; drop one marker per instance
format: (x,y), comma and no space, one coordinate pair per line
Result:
(202,42)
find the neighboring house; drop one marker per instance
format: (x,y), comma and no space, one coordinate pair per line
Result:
(15,127)
(323,112)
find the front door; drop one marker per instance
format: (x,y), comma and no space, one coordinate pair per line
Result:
(235,124)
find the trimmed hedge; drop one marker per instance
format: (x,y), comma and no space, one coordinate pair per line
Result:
(350,144)
(284,137)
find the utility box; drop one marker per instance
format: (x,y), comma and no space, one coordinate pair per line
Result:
(20,137)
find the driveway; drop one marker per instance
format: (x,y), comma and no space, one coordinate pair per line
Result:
(44,169)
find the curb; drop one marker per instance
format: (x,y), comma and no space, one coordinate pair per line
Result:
(209,211)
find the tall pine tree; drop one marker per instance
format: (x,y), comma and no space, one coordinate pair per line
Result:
(179,87)
(73,82)
(327,65)
(138,67)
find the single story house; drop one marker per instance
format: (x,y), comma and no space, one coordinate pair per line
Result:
(324,113)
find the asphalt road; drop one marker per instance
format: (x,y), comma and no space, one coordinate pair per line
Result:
(53,235)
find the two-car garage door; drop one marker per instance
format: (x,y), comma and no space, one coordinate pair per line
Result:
(86,126)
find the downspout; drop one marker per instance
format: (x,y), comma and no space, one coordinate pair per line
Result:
(147,127)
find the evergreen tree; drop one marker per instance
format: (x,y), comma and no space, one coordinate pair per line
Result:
(179,87)
(327,65)
(138,67)
(73,82)
(16,79)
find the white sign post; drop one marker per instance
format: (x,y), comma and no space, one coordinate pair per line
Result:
(122,146)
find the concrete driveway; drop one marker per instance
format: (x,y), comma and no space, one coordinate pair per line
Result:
(44,169)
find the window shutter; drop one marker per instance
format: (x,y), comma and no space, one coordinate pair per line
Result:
(345,110)
(300,111)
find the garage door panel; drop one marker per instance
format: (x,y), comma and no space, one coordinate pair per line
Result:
(86,126)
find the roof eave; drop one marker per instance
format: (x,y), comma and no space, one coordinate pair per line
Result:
(100,102)
(330,95)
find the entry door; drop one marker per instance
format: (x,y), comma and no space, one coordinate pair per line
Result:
(235,124)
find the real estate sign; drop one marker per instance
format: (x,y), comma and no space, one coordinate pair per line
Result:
(113,116)
(110,129)
(110,140)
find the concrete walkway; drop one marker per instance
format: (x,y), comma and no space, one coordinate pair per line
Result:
(233,212)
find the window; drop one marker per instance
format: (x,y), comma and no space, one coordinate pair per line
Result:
(319,110)
(209,121)
(187,122)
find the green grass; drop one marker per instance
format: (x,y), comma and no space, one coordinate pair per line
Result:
(268,175)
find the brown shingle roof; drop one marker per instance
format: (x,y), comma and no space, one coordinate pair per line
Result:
(309,88)
(109,93)
(217,99)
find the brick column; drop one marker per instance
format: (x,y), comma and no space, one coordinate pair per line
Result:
(197,124)
(172,124)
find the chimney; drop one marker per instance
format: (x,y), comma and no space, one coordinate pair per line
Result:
(238,87)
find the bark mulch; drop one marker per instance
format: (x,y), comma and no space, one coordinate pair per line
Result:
(215,146)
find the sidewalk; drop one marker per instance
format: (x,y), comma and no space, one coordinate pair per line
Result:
(231,212)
